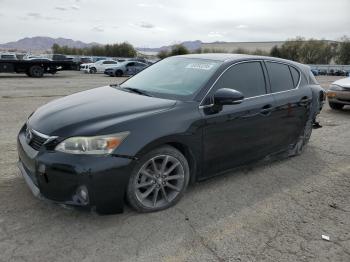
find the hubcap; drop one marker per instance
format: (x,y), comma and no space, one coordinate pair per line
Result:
(159,181)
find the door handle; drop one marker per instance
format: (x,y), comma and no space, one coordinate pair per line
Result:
(304,101)
(266,110)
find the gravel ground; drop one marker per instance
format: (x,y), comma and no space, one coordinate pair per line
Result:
(271,212)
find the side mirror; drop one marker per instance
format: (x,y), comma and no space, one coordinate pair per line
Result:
(227,96)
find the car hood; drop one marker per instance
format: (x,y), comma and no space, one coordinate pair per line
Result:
(345,82)
(92,111)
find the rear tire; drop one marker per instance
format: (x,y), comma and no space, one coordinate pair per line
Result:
(302,141)
(36,71)
(336,106)
(93,70)
(159,180)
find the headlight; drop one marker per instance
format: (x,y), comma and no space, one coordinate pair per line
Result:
(336,88)
(94,145)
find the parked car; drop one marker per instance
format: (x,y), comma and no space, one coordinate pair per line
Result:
(340,73)
(315,72)
(59,57)
(125,68)
(181,120)
(339,94)
(98,67)
(322,72)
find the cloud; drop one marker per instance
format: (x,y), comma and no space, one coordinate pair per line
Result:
(75,7)
(241,26)
(144,5)
(34,15)
(98,29)
(215,34)
(146,25)
(61,8)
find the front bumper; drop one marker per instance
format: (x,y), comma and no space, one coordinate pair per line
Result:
(339,97)
(57,177)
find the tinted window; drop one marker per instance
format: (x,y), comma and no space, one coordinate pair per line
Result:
(312,79)
(174,77)
(280,77)
(131,64)
(295,75)
(248,78)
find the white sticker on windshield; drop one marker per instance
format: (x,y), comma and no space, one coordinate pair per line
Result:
(200,66)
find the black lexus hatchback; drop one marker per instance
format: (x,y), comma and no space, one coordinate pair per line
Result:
(181,120)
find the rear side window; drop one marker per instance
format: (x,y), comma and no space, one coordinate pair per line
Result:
(295,75)
(280,77)
(247,78)
(312,79)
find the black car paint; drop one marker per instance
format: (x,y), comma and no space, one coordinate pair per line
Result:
(211,141)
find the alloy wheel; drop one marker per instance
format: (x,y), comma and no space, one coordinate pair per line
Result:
(159,181)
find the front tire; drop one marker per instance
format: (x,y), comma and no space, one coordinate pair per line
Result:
(336,106)
(159,180)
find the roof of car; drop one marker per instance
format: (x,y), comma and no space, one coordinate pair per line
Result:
(227,57)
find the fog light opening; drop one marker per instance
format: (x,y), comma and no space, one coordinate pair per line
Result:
(83,195)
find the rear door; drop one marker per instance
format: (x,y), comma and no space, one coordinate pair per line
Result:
(292,98)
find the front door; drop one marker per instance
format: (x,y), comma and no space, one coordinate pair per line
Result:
(238,134)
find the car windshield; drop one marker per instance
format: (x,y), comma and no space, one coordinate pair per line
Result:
(174,78)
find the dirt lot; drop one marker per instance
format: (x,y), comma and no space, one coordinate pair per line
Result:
(272,212)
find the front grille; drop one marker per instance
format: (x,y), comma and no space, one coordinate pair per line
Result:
(37,141)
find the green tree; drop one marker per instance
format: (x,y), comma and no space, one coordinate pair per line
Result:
(291,49)
(179,50)
(56,49)
(343,51)
(163,54)
(275,51)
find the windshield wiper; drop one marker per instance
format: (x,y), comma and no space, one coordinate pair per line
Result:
(137,91)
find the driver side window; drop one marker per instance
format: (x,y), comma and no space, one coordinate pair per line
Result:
(247,78)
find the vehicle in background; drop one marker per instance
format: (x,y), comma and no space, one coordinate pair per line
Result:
(96,59)
(339,94)
(38,59)
(126,68)
(315,72)
(8,56)
(141,59)
(60,57)
(80,61)
(340,73)
(98,67)
(322,72)
(34,67)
